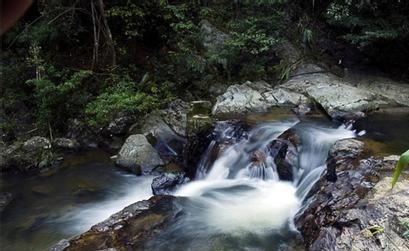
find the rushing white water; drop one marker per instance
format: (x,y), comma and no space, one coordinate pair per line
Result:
(241,191)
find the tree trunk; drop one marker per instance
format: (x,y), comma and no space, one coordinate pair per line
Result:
(109,39)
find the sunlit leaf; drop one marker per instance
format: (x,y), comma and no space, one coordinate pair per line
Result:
(402,163)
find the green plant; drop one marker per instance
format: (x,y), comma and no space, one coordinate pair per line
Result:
(55,101)
(126,97)
(402,163)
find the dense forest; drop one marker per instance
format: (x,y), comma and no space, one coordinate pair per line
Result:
(95,60)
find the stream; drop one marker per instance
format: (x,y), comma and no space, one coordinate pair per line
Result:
(236,202)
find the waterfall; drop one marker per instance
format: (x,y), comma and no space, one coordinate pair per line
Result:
(237,190)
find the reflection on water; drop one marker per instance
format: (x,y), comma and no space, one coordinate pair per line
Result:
(84,191)
(234,204)
(387,132)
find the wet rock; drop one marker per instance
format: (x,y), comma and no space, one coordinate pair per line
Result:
(302,109)
(66,144)
(5,199)
(199,127)
(342,155)
(176,116)
(255,97)
(198,117)
(353,208)
(138,155)
(166,183)
(36,143)
(130,229)
(284,151)
(30,157)
(61,245)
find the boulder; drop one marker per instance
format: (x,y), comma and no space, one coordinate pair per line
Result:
(176,116)
(391,90)
(347,97)
(255,97)
(167,143)
(130,229)
(36,143)
(352,206)
(340,100)
(30,157)
(166,183)
(284,152)
(138,155)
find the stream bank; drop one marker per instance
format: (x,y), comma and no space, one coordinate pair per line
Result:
(177,144)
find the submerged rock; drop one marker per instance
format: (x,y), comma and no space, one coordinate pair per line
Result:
(5,199)
(66,144)
(352,206)
(130,229)
(166,183)
(138,155)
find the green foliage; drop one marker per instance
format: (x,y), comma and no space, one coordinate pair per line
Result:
(370,21)
(402,163)
(132,16)
(55,101)
(405,224)
(307,36)
(126,97)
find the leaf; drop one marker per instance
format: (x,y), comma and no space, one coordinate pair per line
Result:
(402,163)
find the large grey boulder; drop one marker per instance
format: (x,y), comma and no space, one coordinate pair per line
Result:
(138,155)
(391,90)
(166,141)
(255,97)
(340,99)
(175,115)
(343,97)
